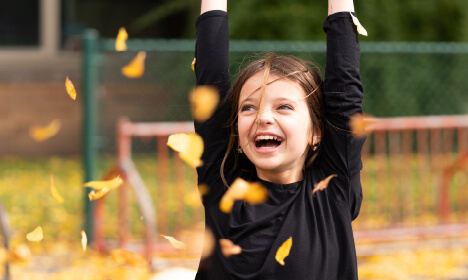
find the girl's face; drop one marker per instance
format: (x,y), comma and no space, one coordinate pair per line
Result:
(275,138)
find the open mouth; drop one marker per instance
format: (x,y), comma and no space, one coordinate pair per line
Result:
(267,141)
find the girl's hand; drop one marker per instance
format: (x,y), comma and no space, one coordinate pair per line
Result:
(335,6)
(210,5)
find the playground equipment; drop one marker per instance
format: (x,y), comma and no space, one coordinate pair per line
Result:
(435,148)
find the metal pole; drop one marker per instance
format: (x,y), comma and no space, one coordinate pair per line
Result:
(90,145)
(5,230)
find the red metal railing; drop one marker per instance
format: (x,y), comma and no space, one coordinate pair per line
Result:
(433,148)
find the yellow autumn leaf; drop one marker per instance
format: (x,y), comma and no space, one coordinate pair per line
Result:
(93,195)
(175,243)
(136,67)
(360,123)
(3,255)
(122,36)
(41,133)
(250,192)
(70,88)
(323,184)
(193,198)
(53,191)
(122,256)
(84,240)
(204,100)
(360,29)
(20,253)
(35,235)
(108,184)
(228,248)
(283,251)
(189,146)
(193,63)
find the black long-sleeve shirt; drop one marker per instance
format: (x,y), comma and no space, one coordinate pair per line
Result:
(320,226)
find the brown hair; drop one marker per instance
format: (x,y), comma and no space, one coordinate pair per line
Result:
(304,73)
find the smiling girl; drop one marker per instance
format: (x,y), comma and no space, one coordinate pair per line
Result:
(281,125)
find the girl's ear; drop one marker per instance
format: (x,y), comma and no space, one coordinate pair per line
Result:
(316,139)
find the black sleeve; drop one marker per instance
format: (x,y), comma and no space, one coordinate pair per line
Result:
(342,97)
(212,68)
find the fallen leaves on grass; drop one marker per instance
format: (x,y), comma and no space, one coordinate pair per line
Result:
(122,256)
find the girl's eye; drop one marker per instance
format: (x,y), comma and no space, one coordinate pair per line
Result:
(247,108)
(285,107)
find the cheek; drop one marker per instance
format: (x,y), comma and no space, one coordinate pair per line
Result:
(244,125)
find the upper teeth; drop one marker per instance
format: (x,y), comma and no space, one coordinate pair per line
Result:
(267,137)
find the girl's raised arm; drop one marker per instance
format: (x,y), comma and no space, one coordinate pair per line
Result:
(336,6)
(211,5)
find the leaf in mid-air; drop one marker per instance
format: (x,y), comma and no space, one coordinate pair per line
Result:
(360,123)
(122,36)
(283,251)
(53,191)
(204,100)
(35,235)
(108,184)
(250,192)
(228,248)
(193,63)
(323,184)
(360,29)
(41,133)
(94,195)
(70,88)
(136,67)
(175,243)
(189,146)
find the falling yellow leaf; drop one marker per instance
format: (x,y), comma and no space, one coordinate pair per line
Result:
(20,253)
(175,243)
(70,88)
(193,63)
(228,248)
(209,243)
(193,198)
(109,184)
(53,191)
(93,195)
(84,240)
(120,44)
(204,100)
(136,67)
(189,146)
(323,184)
(35,235)
(360,29)
(250,192)
(122,256)
(360,123)
(41,133)
(283,251)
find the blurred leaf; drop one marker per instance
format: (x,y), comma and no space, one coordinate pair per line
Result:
(189,146)
(360,29)
(204,100)
(70,88)
(228,248)
(36,235)
(193,63)
(283,251)
(53,191)
(175,243)
(39,133)
(108,184)
(136,67)
(360,123)
(84,240)
(20,253)
(122,256)
(93,195)
(323,184)
(250,192)
(122,36)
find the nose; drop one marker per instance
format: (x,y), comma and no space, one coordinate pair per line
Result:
(266,118)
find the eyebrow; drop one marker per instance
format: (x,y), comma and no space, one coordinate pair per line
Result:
(281,99)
